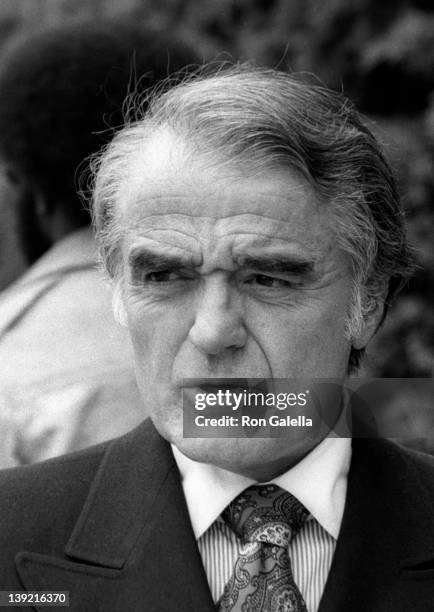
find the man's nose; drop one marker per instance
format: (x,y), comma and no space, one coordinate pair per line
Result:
(218,323)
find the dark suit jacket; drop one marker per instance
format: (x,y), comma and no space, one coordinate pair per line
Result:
(110,525)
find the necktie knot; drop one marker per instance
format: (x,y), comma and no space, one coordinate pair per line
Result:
(265,513)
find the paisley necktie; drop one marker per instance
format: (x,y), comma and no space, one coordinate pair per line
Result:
(265,518)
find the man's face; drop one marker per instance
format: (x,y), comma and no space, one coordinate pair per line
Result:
(226,275)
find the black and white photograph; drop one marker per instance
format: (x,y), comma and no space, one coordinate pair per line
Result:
(216,305)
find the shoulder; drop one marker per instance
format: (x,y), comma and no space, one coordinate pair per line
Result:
(83,338)
(420,465)
(40,504)
(34,495)
(414,459)
(394,467)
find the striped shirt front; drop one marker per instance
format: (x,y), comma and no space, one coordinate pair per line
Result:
(318,481)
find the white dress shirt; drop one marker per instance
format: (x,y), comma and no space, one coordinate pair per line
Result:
(319,482)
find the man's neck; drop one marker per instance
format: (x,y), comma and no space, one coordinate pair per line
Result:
(265,473)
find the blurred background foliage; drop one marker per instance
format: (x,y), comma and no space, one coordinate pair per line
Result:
(379,53)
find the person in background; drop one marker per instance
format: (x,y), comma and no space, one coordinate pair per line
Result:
(7,428)
(13,261)
(66,373)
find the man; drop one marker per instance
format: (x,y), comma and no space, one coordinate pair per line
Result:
(252,230)
(66,367)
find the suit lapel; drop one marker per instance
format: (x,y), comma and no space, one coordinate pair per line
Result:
(133,547)
(384,558)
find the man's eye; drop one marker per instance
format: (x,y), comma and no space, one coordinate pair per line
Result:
(163,276)
(269,281)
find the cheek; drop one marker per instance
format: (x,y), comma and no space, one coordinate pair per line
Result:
(157,333)
(322,343)
(299,342)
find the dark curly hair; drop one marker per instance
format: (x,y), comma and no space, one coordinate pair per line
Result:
(61,96)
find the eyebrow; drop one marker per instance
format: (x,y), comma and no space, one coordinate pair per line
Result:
(280,264)
(144,259)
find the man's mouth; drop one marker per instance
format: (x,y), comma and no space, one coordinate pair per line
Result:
(232,384)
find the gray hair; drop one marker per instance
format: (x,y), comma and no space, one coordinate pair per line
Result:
(263,118)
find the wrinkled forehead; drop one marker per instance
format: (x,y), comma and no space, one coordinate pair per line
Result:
(176,202)
(167,175)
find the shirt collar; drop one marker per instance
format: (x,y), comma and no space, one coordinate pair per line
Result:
(319,481)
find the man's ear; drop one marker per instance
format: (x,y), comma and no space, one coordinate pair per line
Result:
(372,317)
(119,312)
